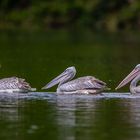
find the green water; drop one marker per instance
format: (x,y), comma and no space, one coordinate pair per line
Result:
(40,56)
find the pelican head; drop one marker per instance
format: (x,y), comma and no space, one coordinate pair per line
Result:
(134,73)
(65,76)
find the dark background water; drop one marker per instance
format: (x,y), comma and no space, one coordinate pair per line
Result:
(40,56)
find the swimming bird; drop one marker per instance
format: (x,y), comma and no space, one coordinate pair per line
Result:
(134,78)
(85,85)
(14,84)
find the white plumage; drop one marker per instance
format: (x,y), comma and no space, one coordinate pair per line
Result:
(86,84)
(14,84)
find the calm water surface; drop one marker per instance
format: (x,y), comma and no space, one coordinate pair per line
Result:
(47,116)
(39,57)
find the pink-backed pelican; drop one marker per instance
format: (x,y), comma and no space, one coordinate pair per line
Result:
(134,77)
(14,84)
(85,85)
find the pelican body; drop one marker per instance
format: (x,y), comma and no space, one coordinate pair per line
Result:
(87,84)
(14,84)
(134,78)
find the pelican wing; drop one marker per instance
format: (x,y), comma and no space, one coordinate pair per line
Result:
(87,82)
(14,83)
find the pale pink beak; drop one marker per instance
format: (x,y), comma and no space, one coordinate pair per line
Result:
(128,78)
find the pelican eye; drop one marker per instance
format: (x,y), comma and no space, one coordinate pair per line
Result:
(138,66)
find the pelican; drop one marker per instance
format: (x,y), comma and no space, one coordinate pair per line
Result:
(85,85)
(14,84)
(134,77)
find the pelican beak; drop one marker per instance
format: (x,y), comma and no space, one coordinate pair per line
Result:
(56,80)
(128,78)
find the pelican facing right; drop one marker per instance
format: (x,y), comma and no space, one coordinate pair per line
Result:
(82,85)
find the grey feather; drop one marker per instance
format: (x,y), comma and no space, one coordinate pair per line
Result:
(87,82)
(14,83)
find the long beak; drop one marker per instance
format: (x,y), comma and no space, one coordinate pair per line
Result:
(56,80)
(128,78)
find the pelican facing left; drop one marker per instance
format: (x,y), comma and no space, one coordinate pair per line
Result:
(134,78)
(83,85)
(15,84)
